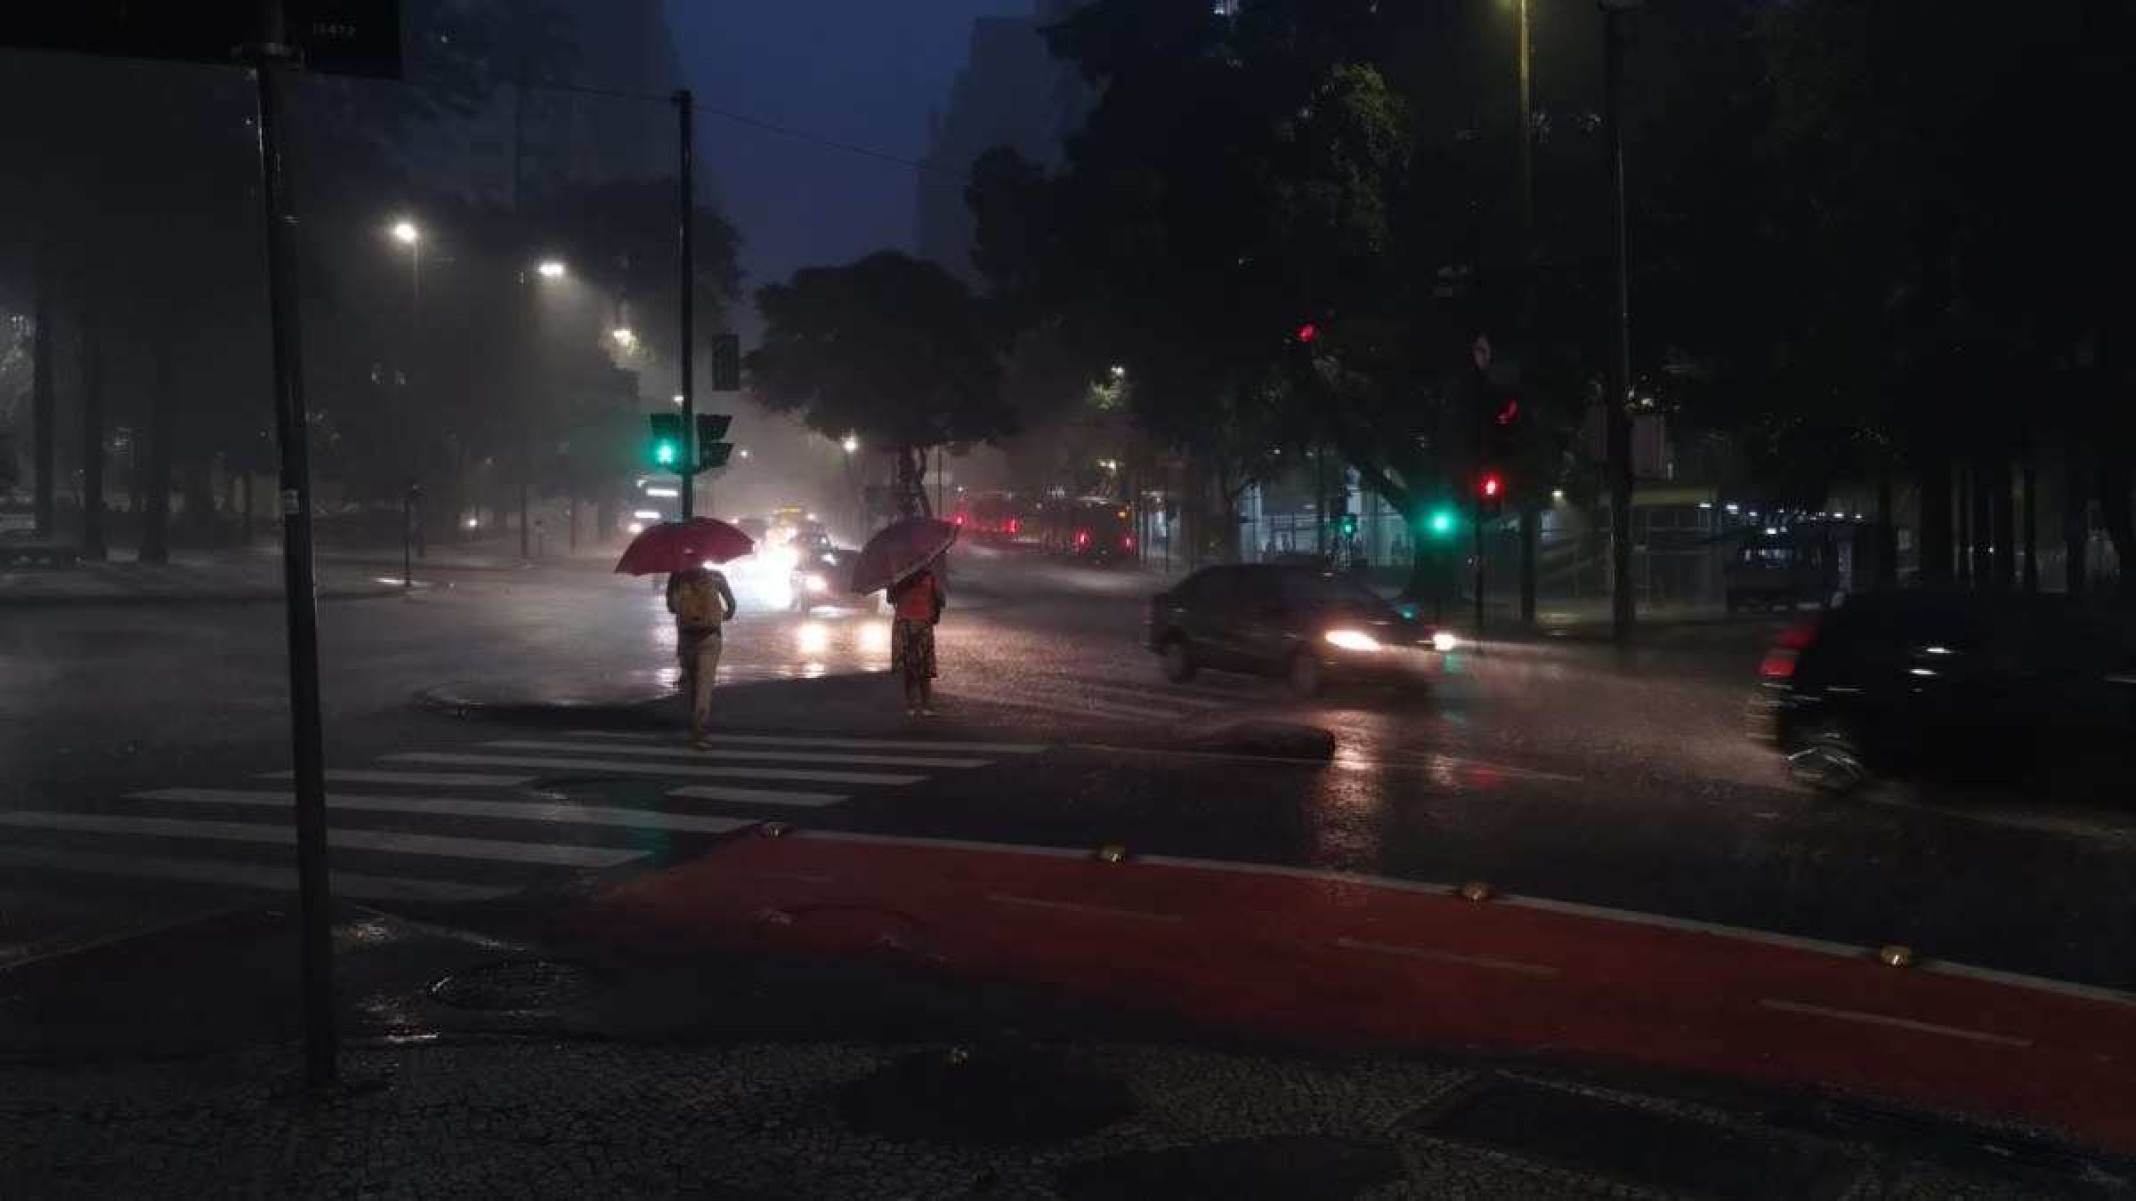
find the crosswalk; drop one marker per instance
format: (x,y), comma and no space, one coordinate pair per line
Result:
(1084,699)
(479,821)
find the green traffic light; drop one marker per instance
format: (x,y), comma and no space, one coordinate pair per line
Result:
(1440,523)
(667,454)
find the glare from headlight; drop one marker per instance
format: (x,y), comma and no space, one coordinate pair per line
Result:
(875,638)
(1444,640)
(1352,640)
(815,583)
(812,638)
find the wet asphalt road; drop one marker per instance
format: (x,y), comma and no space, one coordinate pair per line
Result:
(140,741)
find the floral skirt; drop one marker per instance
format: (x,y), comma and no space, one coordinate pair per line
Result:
(912,649)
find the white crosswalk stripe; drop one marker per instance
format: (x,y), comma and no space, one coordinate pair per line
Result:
(421,779)
(392,841)
(155,833)
(355,886)
(632,767)
(847,744)
(756,796)
(717,753)
(521,811)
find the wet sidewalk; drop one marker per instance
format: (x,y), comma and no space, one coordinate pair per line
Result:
(1078,1120)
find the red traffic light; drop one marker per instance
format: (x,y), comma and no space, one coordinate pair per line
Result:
(1509,414)
(1307,332)
(1491,486)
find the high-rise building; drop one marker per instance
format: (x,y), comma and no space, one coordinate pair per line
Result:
(1012,92)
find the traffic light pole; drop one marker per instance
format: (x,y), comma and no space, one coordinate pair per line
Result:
(1483,436)
(1616,421)
(270,65)
(686,355)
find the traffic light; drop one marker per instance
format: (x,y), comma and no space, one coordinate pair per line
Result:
(712,450)
(726,363)
(1490,491)
(1440,522)
(1307,333)
(1346,524)
(664,451)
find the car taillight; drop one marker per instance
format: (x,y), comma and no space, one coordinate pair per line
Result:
(1779,662)
(1015,525)
(1082,538)
(1127,542)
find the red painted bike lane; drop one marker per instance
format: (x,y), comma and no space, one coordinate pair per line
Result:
(1366,962)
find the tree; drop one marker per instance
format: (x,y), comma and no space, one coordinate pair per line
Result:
(891,348)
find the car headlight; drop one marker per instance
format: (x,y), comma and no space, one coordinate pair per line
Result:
(1352,640)
(1444,640)
(814,583)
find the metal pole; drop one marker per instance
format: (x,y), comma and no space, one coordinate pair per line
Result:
(407,538)
(687,354)
(1529,516)
(1618,421)
(1483,417)
(271,59)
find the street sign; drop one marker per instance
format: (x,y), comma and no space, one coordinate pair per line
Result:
(340,37)
(726,363)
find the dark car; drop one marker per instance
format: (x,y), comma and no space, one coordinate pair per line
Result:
(1939,682)
(1303,624)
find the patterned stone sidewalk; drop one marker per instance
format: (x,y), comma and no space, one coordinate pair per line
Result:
(831,1120)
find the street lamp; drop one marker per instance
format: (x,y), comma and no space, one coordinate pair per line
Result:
(405,232)
(851,443)
(625,337)
(1118,371)
(550,269)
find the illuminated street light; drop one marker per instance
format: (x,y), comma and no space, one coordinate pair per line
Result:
(550,269)
(851,443)
(1118,371)
(406,233)
(743,451)
(625,337)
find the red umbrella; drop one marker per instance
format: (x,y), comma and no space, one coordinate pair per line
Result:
(900,549)
(681,545)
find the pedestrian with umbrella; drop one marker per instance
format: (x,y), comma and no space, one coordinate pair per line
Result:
(698,596)
(904,559)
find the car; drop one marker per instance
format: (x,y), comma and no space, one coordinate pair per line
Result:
(1931,682)
(1301,623)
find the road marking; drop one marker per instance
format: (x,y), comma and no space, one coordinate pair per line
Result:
(353,885)
(421,779)
(1163,696)
(1071,707)
(684,752)
(533,811)
(756,796)
(851,744)
(1437,956)
(1003,898)
(1882,1019)
(390,841)
(622,767)
(947,844)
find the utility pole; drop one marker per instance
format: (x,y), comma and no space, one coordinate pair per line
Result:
(271,63)
(1616,417)
(686,355)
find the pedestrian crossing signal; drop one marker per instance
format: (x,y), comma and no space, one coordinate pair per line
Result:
(664,451)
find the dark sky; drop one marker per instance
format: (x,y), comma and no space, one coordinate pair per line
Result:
(861,72)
